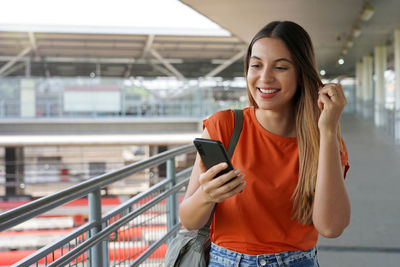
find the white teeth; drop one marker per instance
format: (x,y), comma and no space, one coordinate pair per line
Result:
(267,91)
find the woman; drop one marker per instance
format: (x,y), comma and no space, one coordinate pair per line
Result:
(290,160)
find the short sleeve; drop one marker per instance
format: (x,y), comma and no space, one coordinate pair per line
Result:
(344,157)
(220,126)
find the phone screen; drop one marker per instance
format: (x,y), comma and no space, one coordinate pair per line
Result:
(212,152)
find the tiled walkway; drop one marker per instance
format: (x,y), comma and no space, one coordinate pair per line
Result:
(373,237)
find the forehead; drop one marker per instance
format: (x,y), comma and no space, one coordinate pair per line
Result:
(270,48)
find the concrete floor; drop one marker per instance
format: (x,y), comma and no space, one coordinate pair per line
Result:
(373,237)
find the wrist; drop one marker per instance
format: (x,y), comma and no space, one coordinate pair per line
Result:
(329,133)
(203,197)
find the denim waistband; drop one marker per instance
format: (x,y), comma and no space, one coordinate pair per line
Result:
(281,259)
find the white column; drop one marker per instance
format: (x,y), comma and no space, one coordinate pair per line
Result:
(359,86)
(27,98)
(380,67)
(397,73)
(367,87)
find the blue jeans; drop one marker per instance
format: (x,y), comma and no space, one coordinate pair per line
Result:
(222,257)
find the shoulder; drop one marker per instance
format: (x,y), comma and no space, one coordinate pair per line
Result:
(227,116)
(221,116)
(220,125)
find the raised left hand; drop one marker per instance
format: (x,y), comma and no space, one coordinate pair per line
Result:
(331,102)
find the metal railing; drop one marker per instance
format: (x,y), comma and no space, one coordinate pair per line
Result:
(132,234)
(11,109)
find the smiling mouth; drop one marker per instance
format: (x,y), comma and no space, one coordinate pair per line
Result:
(268,91)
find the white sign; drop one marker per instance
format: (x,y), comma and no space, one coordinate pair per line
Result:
(92,99)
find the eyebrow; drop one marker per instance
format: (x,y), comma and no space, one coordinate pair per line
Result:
(276,60)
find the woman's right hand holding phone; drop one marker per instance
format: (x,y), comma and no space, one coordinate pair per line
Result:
(217,189)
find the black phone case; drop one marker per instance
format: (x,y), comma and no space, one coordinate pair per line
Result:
(212,152)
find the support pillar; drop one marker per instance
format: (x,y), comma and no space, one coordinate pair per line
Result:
(28,68)
(172,200)
(380,68)
(367,88)
(359,87)
(27,98)
(198,108)
(397,73)
(14,167)
(96,252)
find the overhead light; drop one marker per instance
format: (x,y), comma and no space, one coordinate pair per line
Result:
(341,61)
(356,32)
(322,72)
(367,13)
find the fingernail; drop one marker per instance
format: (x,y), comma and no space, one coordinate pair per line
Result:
(237,171)
(224,165)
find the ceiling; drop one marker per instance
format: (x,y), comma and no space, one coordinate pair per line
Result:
(329,23)
(119,55)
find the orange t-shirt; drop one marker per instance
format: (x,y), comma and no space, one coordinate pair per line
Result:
(259,219)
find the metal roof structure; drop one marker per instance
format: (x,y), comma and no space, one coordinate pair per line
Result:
(119,55)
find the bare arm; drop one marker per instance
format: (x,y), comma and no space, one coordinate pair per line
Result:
(331,211)
(204,191)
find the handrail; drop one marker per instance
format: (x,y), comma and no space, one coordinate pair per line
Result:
(31,259)
(138,197)
(90,242)
(156,244)
(84,228)
(27,211)
(113,227)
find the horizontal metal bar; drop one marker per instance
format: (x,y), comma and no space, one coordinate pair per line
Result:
(155,245)
(133,200)
(44,251)
(100,236)
(25,212)
(142,195)
(184,173)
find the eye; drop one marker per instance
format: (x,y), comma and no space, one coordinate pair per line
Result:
(254,65)
(281,68)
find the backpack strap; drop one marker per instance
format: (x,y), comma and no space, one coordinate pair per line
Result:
(236,131)
(205,230)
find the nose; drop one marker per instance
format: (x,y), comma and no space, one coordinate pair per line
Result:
(267,74)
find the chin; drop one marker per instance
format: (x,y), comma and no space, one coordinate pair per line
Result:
(264,106)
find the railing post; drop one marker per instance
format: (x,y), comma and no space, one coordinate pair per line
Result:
(96,259)
(172,201)
(106,256)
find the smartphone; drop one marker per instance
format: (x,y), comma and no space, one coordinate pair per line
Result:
(212,152)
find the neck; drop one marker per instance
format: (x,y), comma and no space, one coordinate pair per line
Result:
(279,123)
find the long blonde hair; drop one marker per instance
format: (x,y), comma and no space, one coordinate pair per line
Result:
(300,46)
